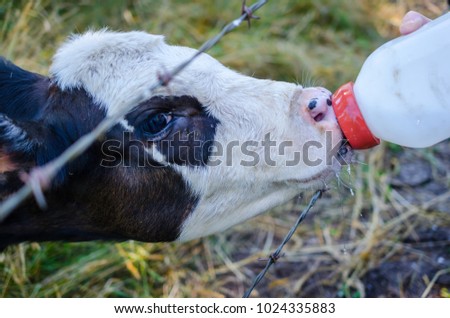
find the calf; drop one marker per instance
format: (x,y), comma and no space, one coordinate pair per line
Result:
(211,150)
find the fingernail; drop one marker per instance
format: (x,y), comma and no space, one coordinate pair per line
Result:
(411,22)
(408,27)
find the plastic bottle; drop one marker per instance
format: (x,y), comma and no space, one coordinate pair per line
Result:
(402,93)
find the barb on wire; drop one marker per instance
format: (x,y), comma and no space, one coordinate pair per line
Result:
(249,13)
(273,258)
(43,175)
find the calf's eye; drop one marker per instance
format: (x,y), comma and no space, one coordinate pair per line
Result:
(156,123)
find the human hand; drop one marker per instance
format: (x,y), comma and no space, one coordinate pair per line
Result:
(412,21)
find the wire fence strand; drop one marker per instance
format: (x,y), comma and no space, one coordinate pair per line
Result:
(277,254)
(43,175)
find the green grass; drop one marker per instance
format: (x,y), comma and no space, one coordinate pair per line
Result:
(310,42)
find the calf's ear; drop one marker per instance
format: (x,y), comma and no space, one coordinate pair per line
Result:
(23,99)
(17,154)
(26,144)
(16,142)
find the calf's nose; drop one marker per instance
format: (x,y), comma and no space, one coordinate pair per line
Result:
(319,107)
(316,107)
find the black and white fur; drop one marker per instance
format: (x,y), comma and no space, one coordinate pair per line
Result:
(153,186)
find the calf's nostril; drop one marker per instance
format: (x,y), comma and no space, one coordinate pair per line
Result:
(312,104)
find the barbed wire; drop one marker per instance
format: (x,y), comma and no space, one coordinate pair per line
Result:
(40,177)
(273,258)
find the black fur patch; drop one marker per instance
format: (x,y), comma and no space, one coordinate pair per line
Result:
(22,93)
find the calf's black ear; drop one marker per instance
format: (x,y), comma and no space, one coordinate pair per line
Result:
(16,141)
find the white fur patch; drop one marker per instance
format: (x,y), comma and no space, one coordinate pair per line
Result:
(126,125)
(156,155)
(110,66)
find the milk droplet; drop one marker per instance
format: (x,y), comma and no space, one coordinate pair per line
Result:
(349,171)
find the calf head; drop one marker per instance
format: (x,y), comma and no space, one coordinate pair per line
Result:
(212,149)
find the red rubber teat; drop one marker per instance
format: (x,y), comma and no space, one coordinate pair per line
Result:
(351,120)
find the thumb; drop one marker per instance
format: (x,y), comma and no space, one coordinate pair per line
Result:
(412,21)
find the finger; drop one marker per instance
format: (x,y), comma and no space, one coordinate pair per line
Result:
(412,21)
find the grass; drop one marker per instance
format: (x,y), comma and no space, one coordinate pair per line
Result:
(346,242)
